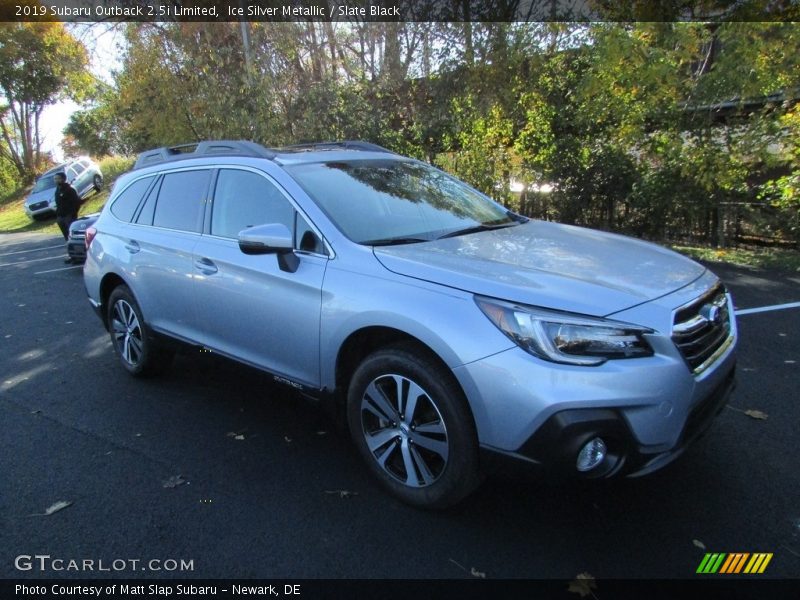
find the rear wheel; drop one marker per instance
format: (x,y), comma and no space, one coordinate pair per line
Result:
(136,349)
(410,422)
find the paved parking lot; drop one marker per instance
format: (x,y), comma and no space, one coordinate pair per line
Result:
(260,484)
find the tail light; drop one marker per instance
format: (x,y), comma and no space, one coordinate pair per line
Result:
(90,233)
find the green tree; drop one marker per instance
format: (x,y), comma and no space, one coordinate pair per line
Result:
(40,63)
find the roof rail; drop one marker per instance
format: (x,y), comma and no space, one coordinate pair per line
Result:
(199,149)
(344,145)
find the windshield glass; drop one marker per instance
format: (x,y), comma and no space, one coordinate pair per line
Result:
(44,183)
(375,201)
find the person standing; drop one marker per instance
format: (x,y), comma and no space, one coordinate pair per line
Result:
(67,204)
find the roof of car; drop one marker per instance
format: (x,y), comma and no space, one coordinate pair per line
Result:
(310,152)
(55,169)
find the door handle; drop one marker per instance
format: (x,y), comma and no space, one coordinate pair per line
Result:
(132,246)
(206,266)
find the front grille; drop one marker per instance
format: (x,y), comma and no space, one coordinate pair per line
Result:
(702,327)
(38,205)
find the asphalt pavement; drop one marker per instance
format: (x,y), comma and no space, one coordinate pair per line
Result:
(214,466)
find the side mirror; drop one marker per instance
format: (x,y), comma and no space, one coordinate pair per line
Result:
(273,238)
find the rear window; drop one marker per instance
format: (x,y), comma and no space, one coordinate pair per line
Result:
(125,205)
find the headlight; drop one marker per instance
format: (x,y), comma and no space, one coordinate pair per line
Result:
(566,338)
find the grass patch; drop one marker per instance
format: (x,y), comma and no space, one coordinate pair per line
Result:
(780,259)
(14,220)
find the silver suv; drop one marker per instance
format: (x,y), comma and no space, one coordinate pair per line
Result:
(447,331)
(82,173)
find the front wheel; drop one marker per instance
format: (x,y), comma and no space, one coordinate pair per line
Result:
(410,422)
(137,351)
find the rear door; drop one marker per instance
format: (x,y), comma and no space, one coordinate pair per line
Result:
(248,307)
(159,246)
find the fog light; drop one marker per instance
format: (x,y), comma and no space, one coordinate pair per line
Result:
(591,455)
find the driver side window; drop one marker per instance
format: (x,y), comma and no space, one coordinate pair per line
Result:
(243,199)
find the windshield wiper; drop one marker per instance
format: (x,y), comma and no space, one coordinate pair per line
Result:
(394,241)
(474,229)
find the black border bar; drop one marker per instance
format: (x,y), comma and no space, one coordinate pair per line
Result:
(722,587)
(87,11)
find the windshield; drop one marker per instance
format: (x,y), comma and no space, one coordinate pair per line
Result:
(44,183)
(389,200)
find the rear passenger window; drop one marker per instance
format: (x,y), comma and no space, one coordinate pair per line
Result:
(181,199)
(79,168)
(243,199)
(125,204)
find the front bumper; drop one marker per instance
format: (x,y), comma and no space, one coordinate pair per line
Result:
(648,410)
(40,210)
(555,446)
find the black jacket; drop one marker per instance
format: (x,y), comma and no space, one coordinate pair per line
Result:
(67,200)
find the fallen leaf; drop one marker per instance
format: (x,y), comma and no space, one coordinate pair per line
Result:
(287,438)
(36,412)
(322,433)
(342,493)
(789,362)
(138,435)
(476,573)
(239,437)
(756,414)
(60,505)
(699,544)
(174,481)
(583,584)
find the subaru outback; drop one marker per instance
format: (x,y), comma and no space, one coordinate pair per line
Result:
(448,331)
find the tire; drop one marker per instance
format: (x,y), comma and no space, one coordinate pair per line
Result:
(98,183)
(434,468)
(138,351)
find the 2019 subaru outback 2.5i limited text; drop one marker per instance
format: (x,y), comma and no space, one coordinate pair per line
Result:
(449,329)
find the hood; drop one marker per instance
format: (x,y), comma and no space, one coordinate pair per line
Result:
(48,194)
(548,265)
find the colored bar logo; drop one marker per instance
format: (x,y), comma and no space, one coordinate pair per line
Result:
(734,563)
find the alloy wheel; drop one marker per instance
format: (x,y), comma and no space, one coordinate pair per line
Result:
(127,332)
(404,430)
